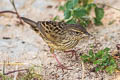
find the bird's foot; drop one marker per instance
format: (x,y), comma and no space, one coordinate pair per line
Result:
(63,67)
(60,65)
(73,53)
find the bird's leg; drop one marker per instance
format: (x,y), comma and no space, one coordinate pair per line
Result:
(73,53)
(59,63)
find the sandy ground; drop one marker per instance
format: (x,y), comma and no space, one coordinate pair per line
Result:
(25,46)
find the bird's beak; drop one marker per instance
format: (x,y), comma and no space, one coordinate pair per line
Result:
(88,34)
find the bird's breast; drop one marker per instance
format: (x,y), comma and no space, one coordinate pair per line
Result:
(63,44)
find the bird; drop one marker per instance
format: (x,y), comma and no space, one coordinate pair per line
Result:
(58,35)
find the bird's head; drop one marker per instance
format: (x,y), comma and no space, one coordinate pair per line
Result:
(78,30)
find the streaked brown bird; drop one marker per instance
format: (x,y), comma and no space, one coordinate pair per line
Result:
(58,35)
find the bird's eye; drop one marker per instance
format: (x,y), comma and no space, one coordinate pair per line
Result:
(77,32)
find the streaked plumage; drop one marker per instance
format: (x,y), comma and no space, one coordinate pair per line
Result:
(58,35)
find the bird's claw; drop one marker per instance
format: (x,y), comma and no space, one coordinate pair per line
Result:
(62,67)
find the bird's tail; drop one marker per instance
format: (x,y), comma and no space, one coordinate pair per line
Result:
(28,21)
(33,24)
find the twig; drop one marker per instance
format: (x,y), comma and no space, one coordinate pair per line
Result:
(7,11)
(4,67)
(12,2)
(15,74)
(83,70)
(15,71)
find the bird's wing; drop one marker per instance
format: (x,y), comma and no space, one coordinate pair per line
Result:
(48,30)
(52,31)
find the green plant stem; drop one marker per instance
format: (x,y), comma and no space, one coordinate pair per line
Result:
(108,6)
